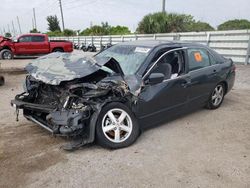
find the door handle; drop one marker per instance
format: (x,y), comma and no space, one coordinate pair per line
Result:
(185,84)
(214,72)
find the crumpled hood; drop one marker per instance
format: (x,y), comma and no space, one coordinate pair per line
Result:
(3,38)
(57,67)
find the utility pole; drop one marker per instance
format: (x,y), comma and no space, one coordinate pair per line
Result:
(13,27)
(60,4)
(34,13)
(32,23)
(20,31)
(163,6)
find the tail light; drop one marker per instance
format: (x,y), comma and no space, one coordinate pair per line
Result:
(233,67)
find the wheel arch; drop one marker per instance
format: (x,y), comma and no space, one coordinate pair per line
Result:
(6,48)
(57,48)
(225,84)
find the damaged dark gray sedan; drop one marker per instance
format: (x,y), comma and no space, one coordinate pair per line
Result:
(114,95)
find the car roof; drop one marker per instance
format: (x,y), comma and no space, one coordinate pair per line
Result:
(146,43)
(156,43)
(32,34)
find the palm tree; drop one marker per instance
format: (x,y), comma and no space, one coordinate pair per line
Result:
(164,23)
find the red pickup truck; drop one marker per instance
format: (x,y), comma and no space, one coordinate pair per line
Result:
(32,44)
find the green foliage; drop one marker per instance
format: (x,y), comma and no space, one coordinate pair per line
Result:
(235,25)
(170,22)
(57,33)
(69,32)
(94,30)
(201,26)
(119,30)
(53,23)
(105,29)
(153,23)
(8,35)
(34,31)
(158,22)
(54,33)
(86,32)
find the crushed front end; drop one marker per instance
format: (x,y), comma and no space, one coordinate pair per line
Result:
(66,109)
(70,107)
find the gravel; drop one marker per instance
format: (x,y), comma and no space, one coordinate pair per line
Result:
(202,149)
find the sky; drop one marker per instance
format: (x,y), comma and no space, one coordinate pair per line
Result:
(79,14)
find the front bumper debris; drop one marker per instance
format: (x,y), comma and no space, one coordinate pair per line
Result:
(64,122)
(31,106)
(60,123)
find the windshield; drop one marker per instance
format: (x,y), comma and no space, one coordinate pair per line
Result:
(129,57)
(14,38)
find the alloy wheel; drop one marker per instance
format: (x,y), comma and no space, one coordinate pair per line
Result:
(117,125)
(6,55)
(217,95)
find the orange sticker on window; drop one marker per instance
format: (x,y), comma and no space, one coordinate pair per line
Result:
(198,57)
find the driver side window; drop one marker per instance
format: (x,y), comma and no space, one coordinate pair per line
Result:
(171,64)
(25,39)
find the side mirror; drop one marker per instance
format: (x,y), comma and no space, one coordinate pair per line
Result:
(155,78)
(15,40)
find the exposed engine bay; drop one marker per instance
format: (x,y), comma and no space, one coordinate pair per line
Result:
(66,108)
(68,104)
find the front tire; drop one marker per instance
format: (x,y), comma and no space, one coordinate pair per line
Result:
(217,97)
(116,126)
(6,54)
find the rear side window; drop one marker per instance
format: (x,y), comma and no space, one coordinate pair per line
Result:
(25,39)
(217,57)
(212,60)
(38,39)
(197,59)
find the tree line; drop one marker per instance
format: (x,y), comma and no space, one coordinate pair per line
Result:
(103,29)
(158,22)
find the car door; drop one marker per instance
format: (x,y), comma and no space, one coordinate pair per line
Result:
(23,45)
(40,45)
(203,76)
(160,101)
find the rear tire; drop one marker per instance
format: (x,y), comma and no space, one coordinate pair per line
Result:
(116,126)
(217,96)
(58,50)
(6,54)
